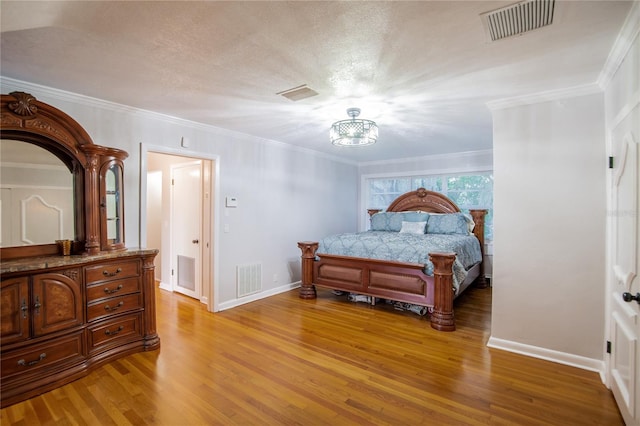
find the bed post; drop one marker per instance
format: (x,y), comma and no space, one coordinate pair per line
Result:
(307,289)
(478,231)
(442,316)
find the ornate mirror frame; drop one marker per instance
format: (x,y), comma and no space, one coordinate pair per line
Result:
(24,118)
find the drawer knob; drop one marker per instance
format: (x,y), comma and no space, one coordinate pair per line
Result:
(113,308)
(114,332)
(111,274)
(24,363)
(111,291)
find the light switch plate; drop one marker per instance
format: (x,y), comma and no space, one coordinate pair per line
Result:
(231,202)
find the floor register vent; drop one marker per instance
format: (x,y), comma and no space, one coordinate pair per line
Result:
(249,279)
(518,18)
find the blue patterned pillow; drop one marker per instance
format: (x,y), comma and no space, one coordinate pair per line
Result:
(452,223)
(415,216)
(392,221)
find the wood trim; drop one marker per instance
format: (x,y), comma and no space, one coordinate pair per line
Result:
(151,338)
(423,200)
(478,216)
(307,290)
(70,317)
(24,118)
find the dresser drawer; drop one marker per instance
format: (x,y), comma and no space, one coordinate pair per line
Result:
(112,288)
(114,305)
(111,271)
(61,350)
(115,331)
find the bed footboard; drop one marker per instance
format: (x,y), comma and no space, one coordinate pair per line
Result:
(404,282)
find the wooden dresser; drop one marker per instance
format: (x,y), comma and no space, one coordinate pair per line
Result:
(61,316)
(72,295)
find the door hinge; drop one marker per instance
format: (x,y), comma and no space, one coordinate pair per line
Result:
(172,272)
(611,162)
(608,347)
(173,182)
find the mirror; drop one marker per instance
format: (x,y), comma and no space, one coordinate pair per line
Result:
(112,203)
(36,196)
(83,217)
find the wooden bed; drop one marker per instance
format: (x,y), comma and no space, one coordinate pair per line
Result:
(398,281)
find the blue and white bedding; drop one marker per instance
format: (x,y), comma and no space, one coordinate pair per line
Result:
(407,247)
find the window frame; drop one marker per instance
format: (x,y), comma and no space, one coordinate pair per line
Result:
(363,193)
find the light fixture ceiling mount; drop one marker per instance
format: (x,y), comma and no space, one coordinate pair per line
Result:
(354,132)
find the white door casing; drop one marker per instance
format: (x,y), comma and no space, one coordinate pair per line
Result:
(186,228)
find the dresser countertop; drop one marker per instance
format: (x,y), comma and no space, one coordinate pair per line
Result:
(39,263)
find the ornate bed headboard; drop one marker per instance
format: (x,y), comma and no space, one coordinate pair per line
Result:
(433,202)
(420,200)
(423,200)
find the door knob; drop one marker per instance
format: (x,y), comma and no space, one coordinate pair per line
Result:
(195,241)
(628,297)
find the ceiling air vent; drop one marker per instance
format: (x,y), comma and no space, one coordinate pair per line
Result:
(298,93)
(518,18)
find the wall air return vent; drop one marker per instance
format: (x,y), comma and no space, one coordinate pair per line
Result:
(298,93)
(518,18)
(248,279)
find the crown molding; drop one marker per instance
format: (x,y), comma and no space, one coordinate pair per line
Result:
(43,92)
(547,96)
(458,156)
(626,37)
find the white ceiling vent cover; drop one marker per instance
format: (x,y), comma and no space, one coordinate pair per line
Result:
(518,18)
(298,93)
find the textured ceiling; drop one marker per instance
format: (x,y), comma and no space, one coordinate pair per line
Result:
(422,70)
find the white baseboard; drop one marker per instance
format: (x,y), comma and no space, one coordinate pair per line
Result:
(572,360)
(165,286)
(253,297)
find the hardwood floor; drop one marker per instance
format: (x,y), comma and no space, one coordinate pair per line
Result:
(282,361)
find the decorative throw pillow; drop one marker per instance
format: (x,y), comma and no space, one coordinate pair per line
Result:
(415,216)
(451,223)
(413,227)
(386,221)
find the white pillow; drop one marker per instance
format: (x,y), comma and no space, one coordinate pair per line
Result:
(413,227)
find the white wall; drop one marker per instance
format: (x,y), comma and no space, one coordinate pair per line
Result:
(549,228)
(285,194)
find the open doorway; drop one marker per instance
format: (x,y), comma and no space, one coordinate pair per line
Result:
(179,221)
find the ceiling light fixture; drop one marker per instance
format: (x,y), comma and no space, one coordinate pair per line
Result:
(354,132)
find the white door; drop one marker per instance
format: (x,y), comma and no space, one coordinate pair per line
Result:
(186,228)
(623,250)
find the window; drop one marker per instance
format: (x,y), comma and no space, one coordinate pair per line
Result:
(468,191)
